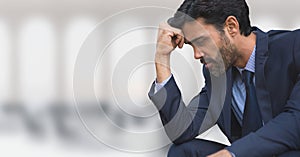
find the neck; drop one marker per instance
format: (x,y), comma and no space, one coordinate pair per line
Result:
(245,47)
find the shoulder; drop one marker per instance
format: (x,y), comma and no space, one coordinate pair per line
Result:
(284,48)
(283,35)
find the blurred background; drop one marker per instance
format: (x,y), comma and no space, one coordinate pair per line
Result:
(40,43)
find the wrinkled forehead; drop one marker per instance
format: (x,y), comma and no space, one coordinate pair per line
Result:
(195,29)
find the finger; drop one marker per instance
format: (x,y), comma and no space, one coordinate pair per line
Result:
(180,40)
(165,26)
(177,40)
(180,45)
(166,36)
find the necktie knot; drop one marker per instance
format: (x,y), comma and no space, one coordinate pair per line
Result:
(247,77)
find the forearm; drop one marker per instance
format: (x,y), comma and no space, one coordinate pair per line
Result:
(279,135)
(162,66)
(181,122)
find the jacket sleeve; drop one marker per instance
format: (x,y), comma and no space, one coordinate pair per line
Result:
(181,122)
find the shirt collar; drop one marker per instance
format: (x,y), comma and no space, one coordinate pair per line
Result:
(250,66)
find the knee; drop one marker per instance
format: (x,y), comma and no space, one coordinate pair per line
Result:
(290,154)
(176,150)
(194,148)
(184,149)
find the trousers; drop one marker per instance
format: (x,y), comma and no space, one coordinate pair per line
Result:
(202,148)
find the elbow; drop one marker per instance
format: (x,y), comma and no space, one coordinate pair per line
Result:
(183,138)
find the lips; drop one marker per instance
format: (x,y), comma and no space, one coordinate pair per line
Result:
(208,65)
(206,61)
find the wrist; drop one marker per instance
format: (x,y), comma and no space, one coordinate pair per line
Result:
(162,60)
(162,56)
(162,64)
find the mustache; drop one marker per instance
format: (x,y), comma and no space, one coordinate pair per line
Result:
(206,60)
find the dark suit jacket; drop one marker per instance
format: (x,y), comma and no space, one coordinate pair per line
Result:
(277,78)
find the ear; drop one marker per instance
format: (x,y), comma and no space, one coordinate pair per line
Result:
(232,26)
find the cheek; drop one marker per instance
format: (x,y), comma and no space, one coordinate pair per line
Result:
(217,44)
(226,49)
(212,49)
(228,55)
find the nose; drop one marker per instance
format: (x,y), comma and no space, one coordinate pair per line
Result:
(198,53)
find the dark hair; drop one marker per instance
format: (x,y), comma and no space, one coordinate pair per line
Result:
(214,12)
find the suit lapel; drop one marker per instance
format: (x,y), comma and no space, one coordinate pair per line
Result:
(227,104)
(261,57)
(224,119)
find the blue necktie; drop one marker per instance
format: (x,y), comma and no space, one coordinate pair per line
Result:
(251,118)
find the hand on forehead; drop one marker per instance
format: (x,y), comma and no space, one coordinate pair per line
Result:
(165,26)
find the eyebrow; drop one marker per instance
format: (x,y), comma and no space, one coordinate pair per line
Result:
(193,40)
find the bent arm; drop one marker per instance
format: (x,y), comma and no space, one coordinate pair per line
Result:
(181,122)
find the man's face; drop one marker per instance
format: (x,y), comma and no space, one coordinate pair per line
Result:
(211,46)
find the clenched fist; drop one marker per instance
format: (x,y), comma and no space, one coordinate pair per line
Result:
(168,39)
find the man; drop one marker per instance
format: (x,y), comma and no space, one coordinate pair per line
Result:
(252,83)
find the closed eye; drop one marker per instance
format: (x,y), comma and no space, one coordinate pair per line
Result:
(200,41)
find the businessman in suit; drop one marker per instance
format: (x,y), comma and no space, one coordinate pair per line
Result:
(252,83)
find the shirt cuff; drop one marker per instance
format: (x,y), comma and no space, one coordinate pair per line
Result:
(158,86)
